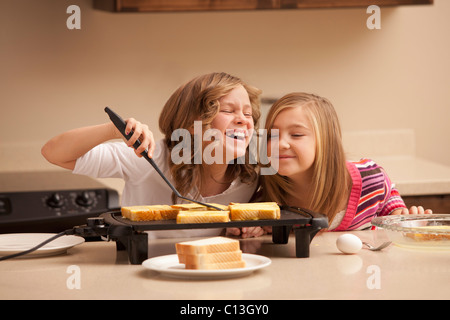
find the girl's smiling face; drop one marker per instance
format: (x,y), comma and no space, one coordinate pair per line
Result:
(235,122)
(297,143)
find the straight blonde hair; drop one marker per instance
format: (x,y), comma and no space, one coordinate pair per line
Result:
(331,179)
(197,100)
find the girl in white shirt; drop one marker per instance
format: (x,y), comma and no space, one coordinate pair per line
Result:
(216,104)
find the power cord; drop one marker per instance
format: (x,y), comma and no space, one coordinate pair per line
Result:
(43,243)
(95,227)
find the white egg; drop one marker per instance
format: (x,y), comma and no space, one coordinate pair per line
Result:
(349,243)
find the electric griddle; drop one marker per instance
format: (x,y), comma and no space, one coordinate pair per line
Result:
(131,235)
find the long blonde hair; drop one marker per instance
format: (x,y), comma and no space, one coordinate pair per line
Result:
(197,100)
(330,175)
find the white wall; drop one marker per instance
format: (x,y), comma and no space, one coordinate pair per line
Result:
(54,79)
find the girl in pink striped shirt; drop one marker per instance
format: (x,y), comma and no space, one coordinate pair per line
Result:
(313,172)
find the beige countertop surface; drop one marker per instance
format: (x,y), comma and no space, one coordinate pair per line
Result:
(416,176)
(103,273)
(395,150)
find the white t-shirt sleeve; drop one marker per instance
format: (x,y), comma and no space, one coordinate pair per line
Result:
(108,160)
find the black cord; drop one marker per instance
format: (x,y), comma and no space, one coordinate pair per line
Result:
(56,236)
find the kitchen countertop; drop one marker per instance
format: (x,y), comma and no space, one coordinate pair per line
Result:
(395,151)
(416,176)
(394,273)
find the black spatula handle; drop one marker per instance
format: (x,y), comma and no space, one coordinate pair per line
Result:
(121,125)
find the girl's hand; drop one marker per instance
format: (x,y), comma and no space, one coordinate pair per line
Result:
(248,232)
(412,210)
(141,132)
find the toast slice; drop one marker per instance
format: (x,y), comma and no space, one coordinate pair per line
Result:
(198,207)
(254,211)
(208,258)
(209,245)
(203,216)
(149,213)
(210,254)
(189,207)
(217,266)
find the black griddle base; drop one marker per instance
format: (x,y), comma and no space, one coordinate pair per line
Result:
(131,236)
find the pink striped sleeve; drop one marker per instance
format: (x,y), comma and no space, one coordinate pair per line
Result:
(393,199)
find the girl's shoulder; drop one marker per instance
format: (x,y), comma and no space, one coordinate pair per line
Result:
(367,172)
(365,165)
(366,168)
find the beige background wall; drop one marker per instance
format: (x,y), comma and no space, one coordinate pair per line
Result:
(54,79)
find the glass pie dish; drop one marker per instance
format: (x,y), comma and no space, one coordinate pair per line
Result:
(425,231)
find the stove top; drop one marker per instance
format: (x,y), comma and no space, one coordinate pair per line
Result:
(50,201)
(44,181)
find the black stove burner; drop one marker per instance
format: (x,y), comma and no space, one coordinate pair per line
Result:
(51,201)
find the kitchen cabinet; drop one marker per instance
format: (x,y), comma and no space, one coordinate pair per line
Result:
(222,5)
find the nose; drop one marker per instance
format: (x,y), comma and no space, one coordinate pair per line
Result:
(283,143)
(241,119)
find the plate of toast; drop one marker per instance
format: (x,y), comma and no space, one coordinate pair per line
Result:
(169,266)
(209,258)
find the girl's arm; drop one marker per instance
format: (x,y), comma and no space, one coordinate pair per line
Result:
(64,149)
(394,204)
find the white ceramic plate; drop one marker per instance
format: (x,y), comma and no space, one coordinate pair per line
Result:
(11,243)
(169,266)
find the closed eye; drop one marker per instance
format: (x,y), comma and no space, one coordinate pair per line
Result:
(228,111)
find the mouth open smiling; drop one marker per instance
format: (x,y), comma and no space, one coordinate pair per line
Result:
(235,134)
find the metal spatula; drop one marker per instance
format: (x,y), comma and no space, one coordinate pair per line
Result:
(121,125)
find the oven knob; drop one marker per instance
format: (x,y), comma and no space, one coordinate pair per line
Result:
(84,199)
(55,201)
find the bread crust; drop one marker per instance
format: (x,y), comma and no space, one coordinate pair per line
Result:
(210,254)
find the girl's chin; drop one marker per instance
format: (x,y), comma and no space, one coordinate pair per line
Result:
(235,147)
(232,150)
(234,153)
(285,171)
